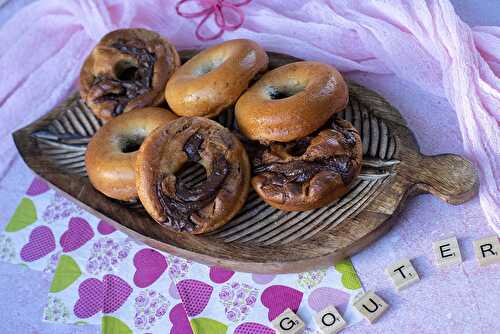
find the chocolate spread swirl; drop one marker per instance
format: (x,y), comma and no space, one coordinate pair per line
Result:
(299,168)
(179,207)
(139,81)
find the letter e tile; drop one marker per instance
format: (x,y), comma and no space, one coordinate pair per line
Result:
(447,252)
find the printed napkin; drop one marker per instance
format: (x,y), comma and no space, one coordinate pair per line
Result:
(101,276)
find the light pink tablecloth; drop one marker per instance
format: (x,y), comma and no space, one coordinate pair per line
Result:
(460,299)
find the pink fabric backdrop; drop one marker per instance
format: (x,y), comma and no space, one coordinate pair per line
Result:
(43,46)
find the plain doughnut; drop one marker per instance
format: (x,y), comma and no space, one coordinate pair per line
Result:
(111,153)
(213,79)
(291,101)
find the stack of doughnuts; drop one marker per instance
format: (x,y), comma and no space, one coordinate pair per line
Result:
(288,143)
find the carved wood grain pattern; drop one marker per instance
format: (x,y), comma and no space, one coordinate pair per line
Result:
(64,141)
(310,240)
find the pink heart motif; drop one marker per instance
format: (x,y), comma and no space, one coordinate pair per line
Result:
(320,298)
(106,296)
(220,275)
(277,298)
(150,265)
(253,328)
(37,187)
(195,295)
(262,278)
(78,233)
(41,243)
(105,228)
(179,320)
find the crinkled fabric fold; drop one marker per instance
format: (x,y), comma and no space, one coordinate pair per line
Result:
(425,42)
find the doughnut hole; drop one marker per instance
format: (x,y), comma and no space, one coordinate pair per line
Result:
(192,174)
(283,92)
(299,147)
(126,70)
(131,143)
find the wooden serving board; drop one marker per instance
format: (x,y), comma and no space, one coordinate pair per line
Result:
(262,239)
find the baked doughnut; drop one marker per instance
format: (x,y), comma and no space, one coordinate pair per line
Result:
(128,69)
(311,172)
(213,79)
(167,198)
(111,153)
(291,101)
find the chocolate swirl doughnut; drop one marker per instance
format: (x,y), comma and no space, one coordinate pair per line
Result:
(128,69)
(168,199)
(310,172)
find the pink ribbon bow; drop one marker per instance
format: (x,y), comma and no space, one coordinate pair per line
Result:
(221,9)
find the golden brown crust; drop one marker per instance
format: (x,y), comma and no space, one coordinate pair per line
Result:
(110,170)
(212,203)
(309,173)
(231,65)
(291,102)
(128,69)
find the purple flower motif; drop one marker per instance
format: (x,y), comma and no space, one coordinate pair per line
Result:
(231,315)
(238,300)
(150,307)
(107,254)
(160,312)
(226,294)
(240,294)
(60,209)
(250,300)
(140,322)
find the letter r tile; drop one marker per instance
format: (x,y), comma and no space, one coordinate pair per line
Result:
(487,250)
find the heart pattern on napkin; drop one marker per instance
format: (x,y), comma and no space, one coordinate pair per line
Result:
(320,298)
(41,242)
(105,228)
(150,265)
(106,296)
(195,295)
(37,187)
(277,298)
(220,275)
(179,320)
(253,328)
(79,232)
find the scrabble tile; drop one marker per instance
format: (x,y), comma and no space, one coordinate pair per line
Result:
(371,306)
(288,323)
(487,250)
(329,320)
(402,274)
(447,252)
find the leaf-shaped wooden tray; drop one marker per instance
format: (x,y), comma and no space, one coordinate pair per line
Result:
(260,238)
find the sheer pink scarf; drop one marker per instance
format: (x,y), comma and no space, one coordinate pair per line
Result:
(43,46)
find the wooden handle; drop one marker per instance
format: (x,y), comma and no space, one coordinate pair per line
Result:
(447,176)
